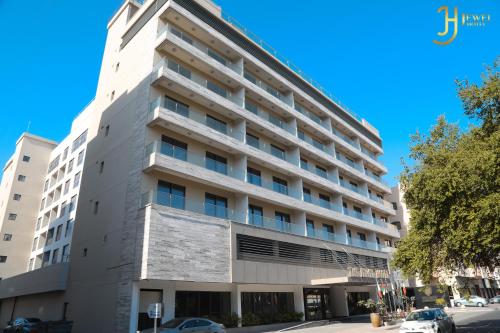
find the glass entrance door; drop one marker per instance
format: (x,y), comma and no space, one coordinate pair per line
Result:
(317,304)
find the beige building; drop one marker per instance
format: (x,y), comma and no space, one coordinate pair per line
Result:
(478,281)
(215,180)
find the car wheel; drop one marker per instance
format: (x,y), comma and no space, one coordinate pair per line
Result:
(480,304)
(458,304)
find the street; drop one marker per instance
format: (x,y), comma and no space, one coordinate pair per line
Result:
(473,320)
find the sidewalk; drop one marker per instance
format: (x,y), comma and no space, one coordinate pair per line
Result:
(349,328)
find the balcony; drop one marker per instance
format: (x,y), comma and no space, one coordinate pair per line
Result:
(351,187)
(348,161)
(267,88)
(310,115)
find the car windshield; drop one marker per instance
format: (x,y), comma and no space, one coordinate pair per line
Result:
(172,323)
(421,315)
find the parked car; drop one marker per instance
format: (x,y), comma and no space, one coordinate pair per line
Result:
(22,325)
(189,325)
(428,321)
(472,301)
(495,299)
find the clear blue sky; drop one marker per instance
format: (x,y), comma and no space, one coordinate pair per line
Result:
(376,56)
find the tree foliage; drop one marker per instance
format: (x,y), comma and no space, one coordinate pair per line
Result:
(452,189)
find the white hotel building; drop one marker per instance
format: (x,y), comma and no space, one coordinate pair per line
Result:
(215,179)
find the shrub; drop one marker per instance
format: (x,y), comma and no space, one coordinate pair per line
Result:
(230,320)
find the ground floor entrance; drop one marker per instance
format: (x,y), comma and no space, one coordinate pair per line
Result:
(317,303)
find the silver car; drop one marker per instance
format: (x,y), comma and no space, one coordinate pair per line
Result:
(188,325)
(472,301)
(495,299)
(433,320)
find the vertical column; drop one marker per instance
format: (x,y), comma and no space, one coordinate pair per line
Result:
(240,167)
(360,166)
(134,307)
(341,231)
(330,148)
(236,301)
(296,188)
(333,174)
(298,300)
(364,188)
(239,97)
(367,210)
(356,141)
(293,156)
(291,126)
(168,301)
(238,66)
(372,239)
(240,129)
(337,202)
(289,99)
(241,208)
(299,219)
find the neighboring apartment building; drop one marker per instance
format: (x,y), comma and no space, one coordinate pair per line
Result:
(479,281)
(216,180)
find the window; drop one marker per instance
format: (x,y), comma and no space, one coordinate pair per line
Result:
(79,141)
(42,204)
(216,163)
(76,182)
(85,251)
(353,185)
(55,256)
(216,124)
(80,157)
(50,236)
(181,35)
(173,148)
(307,194)
(202,303)
(96,207)
(251,107)
(318,144)
(59,232)
(282,220)
(72,203)
(176,106)
(362,236)
(38,223)
(106,130)
(388,243)
(21,178)
(101,167)
(3,259)
(252,140)
(278,152)
(280,185)
(171,195)
(66,186)
(303,164)
(301,135)
(26,158)
(349,233)
(70,165)
(69,228)
(65,153)
(65,253)
(255,215)
(46,259)
(212,86)
(253,176)
(12,217)
(216,56)
(63,208)
(54,163)
(321,171)
(310,227)
(328,229)
(46,185)
(324,201)
(117,67)
(394,206)
(17,197)
(7,237)
(35,242)
(215,205)
(271,304)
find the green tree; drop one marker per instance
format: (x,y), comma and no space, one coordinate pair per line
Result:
(452,189)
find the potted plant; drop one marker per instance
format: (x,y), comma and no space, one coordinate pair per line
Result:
(374,309)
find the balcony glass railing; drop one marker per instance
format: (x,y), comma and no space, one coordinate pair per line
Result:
(375,198)
(274,224)
(351,187)
(200,46)
(266,116)
(369,153)
(313,142)
(357,215)
(197,78)
(264,86)
(323,203)
(349,162)
(310,115)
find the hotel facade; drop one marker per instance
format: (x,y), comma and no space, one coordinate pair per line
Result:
(207,175)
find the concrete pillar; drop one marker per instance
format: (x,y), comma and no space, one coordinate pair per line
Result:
(289,98)
(372,238)
(330,148)
(327,123)
(367,210)
(238,66)
(333,174)
(337,202)
(296,188)
(293,156)
(239,97)
(339,301)
(240,167)
(291,126)
(360,164)
(168,301)
(299,219)
(134,307)
(236,301)
(240,130)
(364,188)
(298,300)
(356,141)
(241,208)
(341,232)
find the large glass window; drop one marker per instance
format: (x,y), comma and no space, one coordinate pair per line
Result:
(213,305)
(252,140)
(216,124)
(280,185)
(324,201)
(253,176)
(174,148)
(179,69)
(303,164)
(50,236)
(171,195)
(307,194)
(215,206)
(176,106)
(216,163)
(255,215)
(268,307)
(321,171)
(282,220)
(217,89)
(278,152)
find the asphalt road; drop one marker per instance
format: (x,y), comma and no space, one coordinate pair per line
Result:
(478,320)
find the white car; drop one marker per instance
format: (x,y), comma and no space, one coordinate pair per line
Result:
(428,321)
(189,325)
(472,301)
